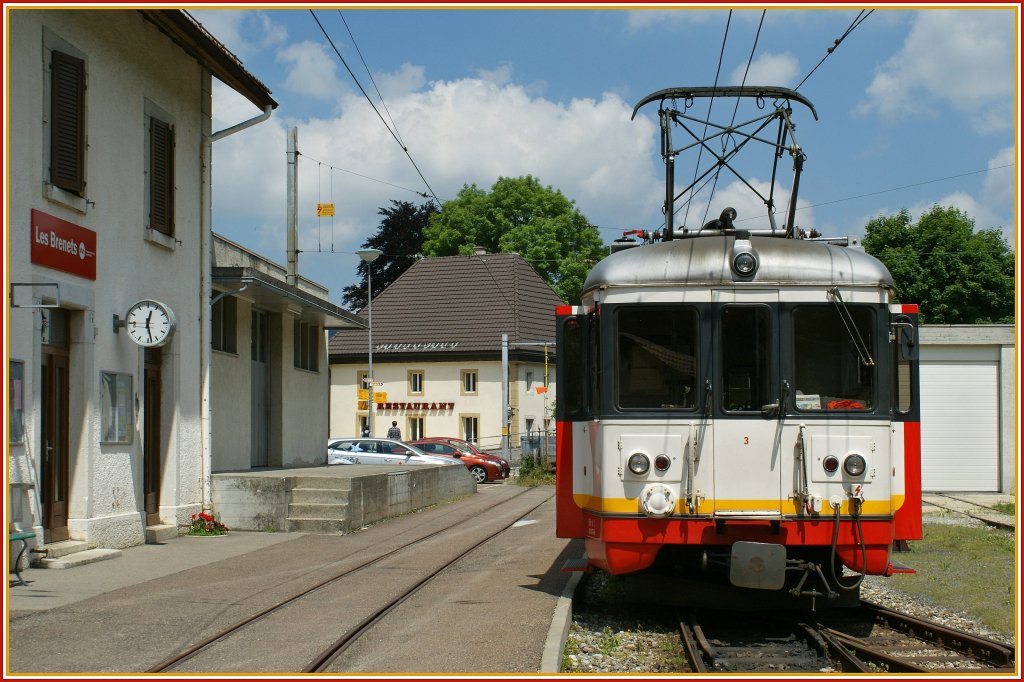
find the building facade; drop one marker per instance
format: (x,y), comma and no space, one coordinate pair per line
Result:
(968,403)
(463,346)
(108,233)
(270,376)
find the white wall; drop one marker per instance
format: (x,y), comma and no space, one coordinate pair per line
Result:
(128,62)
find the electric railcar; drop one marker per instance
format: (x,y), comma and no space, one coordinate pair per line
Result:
(739,405)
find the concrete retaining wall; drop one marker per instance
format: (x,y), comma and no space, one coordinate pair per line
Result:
(258,501)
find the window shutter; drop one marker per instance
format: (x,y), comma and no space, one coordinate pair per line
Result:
(67,122)
(161,180)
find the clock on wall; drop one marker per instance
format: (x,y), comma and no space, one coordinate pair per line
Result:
(150,323)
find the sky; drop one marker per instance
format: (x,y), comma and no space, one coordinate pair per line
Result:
(915,107)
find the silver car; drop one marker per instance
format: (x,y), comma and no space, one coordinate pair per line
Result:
(379,451)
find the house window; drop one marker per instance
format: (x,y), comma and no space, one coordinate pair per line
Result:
(225,317)
(67,122)
(529,381)
(469,382)
(416,428)
(363,427)
(307,346)
(15,401)
(415,382)
(471,429)
(115,407)
(160,178)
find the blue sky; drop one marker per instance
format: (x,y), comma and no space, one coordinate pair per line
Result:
(915,107)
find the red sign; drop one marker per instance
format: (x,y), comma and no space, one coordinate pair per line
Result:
(64,246)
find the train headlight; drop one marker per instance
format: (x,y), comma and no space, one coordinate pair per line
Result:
(831,464)
(744,263)
(639,464)
(854,465)
(662,462)
(744,258)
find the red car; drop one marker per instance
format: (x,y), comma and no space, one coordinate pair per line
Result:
(469,447)
(481,466)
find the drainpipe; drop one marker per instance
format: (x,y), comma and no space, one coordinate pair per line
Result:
(206,285)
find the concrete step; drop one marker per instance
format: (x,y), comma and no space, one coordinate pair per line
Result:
(321,482)
(318,496)
(80,558)
(57,550)
(157,535)
(337,512)
(318,526)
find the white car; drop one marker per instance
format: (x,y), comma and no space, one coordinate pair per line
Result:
(379,451)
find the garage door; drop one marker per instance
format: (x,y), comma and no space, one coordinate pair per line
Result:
(959,426)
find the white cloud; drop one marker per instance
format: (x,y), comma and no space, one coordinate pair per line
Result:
(964,59)
(243,32)
(768,69)
(1001,182)
(457,132)
(312,72)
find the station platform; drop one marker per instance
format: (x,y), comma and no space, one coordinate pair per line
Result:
(331,499)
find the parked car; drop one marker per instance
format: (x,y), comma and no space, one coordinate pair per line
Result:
(378,451)
(483,467)
(469,447)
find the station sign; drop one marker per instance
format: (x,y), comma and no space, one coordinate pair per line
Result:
(62,246)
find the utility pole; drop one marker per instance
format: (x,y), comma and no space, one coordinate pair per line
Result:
(293,206)
(507,417)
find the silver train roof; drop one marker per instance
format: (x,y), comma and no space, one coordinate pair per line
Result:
(704,261)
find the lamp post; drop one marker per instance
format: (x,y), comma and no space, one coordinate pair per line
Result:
(369,255)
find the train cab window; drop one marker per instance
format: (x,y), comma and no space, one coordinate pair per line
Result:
(656,358)
(832,366)
(746,358)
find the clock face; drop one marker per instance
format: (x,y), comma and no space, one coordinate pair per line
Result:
(150,323)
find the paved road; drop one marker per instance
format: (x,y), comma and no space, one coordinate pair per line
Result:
(131,613)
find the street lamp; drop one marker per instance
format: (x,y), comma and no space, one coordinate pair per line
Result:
(369,255)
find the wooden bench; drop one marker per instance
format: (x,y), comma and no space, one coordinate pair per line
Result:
(24,537)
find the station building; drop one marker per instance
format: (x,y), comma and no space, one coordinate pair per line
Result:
(438,368)
(113,428)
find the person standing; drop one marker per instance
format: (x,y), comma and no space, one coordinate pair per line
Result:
(394,432)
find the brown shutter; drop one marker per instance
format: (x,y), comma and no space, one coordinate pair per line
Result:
(161,182)
(67,122)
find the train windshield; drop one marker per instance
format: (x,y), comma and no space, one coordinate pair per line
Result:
(832,369)
(656,355)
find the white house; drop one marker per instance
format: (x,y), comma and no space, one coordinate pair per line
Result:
(438,362)
(109,115)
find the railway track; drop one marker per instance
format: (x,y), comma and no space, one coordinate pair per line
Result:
(974,510)
(867,639)
(348,613)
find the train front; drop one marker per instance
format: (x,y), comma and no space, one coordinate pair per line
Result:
(740,409)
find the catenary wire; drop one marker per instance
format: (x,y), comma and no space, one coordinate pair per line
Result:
(377,111)
(857,21)
(368,73)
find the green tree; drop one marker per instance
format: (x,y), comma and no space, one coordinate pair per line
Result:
(400,237)
(956,275)
(521,216)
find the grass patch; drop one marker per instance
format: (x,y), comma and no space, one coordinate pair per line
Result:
(965,568)
(534,471)
(1005,507)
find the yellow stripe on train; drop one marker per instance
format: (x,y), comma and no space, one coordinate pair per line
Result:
(611,505)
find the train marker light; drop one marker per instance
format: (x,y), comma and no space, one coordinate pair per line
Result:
(831,464)
(854,465)
(639,464)
(662,462)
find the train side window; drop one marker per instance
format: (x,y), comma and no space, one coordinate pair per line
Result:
(830,371)
(656,358)
(573,372)
(746,357)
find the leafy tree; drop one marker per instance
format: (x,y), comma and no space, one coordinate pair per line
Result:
(956,275)
(519,215)
(400,237)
